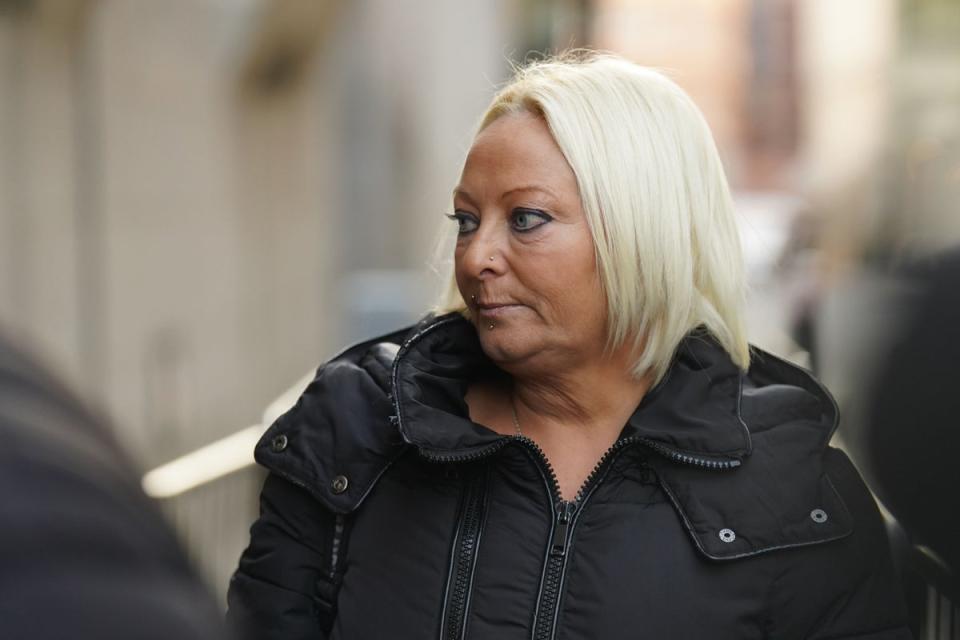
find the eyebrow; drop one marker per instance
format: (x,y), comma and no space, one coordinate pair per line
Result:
(459,191)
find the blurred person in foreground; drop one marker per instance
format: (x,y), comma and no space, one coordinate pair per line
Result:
(578,442)
(83,552)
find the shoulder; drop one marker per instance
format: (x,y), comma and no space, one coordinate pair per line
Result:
(781,493)
(798,506)
(847,588)
(812,521)
(338,438)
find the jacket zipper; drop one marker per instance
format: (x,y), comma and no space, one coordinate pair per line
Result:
(463,560)
(564,513)
(553,571)
(338,526)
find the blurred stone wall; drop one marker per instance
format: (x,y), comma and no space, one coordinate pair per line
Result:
(201,200)
(188,189)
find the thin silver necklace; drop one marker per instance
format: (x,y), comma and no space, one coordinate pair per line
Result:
(513,407)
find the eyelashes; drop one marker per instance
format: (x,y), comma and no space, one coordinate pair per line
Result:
(465,222)
(522,220)
(525,220)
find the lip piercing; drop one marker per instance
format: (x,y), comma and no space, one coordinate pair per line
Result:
(473,298)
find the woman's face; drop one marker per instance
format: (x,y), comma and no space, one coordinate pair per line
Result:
(525,260)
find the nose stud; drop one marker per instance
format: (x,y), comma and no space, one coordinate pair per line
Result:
(491,258)
(490,326)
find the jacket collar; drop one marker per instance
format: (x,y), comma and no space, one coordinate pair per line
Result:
(698,415)
(692,415)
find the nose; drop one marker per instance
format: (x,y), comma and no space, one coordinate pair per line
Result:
(484,256)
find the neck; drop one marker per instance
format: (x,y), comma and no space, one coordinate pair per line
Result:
(598,395)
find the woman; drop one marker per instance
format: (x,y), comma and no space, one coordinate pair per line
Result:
(577,443)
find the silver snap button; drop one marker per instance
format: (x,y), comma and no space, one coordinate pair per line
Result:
(339,484)
(279,443)
(727,535)
(818,515)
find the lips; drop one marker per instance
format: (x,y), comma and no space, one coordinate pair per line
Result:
(496,309)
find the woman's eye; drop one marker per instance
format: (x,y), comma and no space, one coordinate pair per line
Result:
(465,222)
(529,219)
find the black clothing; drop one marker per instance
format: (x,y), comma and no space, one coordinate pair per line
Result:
(83,552)
(720,512)
(912,446)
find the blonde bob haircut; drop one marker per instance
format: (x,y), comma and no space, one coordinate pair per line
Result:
(655,198)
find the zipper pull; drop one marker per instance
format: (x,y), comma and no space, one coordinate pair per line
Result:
(564,515)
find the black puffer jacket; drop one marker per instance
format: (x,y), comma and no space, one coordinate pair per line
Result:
(720,512)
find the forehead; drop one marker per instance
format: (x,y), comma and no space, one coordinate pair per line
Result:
(517,150)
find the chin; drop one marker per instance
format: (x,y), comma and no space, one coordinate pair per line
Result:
(506,346)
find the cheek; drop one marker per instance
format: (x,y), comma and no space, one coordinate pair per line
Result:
(570,284)
(586,292)
(586,296)
(458,273)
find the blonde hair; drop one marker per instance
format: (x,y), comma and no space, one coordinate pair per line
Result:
(655,197)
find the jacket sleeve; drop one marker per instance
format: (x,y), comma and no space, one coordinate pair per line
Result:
(283,588)
(845,589)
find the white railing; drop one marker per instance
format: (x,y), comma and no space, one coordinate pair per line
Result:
(217,459)
(210,495)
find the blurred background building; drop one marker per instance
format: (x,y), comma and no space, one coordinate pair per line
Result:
(201,200)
